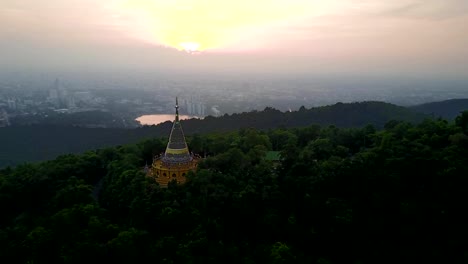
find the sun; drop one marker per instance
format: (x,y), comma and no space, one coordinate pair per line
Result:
(198,26)
(190,47)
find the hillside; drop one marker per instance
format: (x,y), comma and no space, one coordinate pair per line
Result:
(43,142)
(361,195)
(446,109)
(344,115)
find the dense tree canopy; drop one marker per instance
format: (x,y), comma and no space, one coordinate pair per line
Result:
(339,195)
(61,134)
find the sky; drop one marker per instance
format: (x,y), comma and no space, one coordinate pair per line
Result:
(358,37)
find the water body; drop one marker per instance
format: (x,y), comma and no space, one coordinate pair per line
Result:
(158,119)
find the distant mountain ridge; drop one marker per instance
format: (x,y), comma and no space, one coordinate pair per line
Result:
(340,114)
(448,109)
(42,142)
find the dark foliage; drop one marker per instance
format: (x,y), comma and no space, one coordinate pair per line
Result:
(43,142)
(446,109)
(79,119)
(338,196)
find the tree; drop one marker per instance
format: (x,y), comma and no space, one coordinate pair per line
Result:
(281,253)
(462,121)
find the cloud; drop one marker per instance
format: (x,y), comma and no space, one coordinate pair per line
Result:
(210,24)
(308,32)
(429,9)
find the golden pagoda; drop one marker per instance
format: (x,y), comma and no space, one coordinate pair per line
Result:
(176,161)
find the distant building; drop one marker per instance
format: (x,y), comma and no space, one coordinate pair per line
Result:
(85,97)
(195,107)
(176,161)
(11,104)
(70,102)
(53,97)
(28,102)
(53,94)
(4,120)
(59,97)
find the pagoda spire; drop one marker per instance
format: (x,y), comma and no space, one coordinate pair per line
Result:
(177,150)
(177,109)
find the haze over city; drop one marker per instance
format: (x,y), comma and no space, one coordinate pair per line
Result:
(396,38)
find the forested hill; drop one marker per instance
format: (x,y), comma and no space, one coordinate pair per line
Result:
(446,109)
(338,196)
(44,142)
(35,143)
(344,115)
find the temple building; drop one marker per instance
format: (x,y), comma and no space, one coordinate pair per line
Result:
(176,161)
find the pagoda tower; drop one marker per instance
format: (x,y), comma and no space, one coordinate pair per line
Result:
(176,161)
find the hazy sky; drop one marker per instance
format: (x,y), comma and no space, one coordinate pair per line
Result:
(410,37)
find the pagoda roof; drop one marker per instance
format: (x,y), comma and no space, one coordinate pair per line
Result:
(177,150)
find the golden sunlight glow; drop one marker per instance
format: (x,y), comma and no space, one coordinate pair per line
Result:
(190,46)
(197,25)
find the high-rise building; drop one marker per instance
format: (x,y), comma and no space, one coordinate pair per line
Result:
(194,107)
(54,96)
